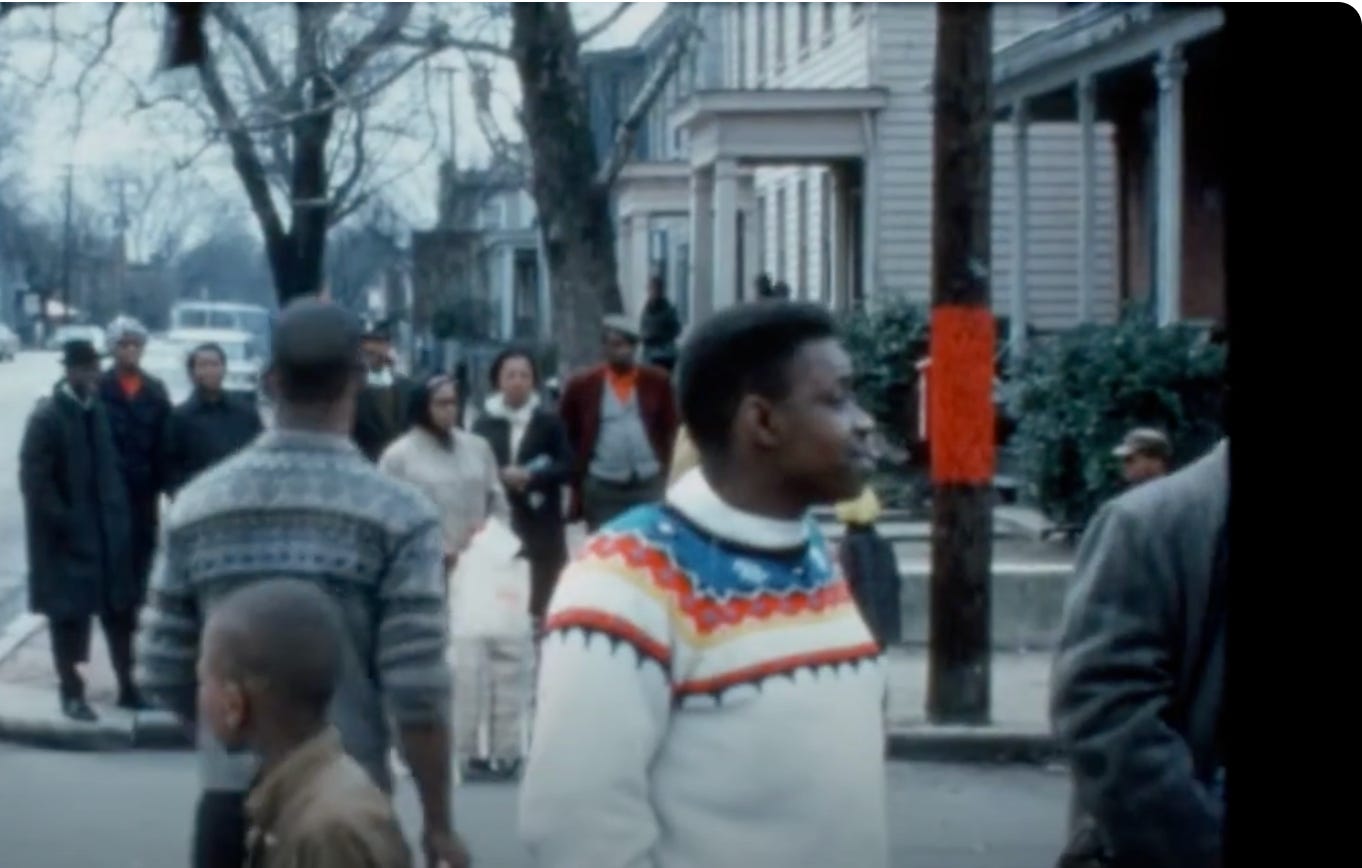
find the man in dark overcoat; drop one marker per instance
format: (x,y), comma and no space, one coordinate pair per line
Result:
(138,406)
(381,412)
(77,514)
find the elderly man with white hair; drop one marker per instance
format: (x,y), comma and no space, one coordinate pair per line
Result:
(138,407)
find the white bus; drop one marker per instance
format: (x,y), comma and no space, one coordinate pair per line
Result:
(225,315)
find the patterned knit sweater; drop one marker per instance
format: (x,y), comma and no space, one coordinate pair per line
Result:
(709,698)
(305,506)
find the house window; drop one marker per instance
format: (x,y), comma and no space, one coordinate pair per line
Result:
(780,235)
(741,15)
(802,238)
(803,28)
(759,10)
(828,26)
(780,36)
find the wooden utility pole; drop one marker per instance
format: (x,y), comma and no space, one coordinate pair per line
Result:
(960,386)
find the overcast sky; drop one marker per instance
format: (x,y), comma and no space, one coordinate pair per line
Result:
(111,136)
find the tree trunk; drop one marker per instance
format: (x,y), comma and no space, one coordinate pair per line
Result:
(960,384)
(574,211)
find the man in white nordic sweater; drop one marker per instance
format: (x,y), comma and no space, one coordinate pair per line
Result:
(709,695)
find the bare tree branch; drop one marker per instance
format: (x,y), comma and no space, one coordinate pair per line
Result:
(647,95)
(438,38)
(101,51)
(234,24)
(383,34)
(346,189)
(604,24)
(244,157)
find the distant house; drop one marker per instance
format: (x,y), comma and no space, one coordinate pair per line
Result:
(481,265)
(1152,73)
(797,141)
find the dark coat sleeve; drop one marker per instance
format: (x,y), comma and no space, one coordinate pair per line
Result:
(39,462)
(559,471)
(175,453)
(1113,684)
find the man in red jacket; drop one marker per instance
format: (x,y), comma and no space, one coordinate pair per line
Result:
(621,420)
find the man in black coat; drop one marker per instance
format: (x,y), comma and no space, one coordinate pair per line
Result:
(209,427)
(659,327)
(139,407)
(76,509)
(381,411)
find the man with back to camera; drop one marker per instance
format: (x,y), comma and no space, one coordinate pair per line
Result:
(302,502)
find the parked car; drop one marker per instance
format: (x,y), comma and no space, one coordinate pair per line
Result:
(93,334)
(9,344)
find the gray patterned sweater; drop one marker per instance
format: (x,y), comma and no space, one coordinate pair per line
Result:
(306,506)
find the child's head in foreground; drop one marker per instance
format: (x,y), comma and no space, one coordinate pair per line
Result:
(269,663)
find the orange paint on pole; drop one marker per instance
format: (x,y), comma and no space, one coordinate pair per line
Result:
(960,413)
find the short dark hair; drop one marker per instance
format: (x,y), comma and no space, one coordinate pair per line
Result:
(284,636)
(209,347)
(494,375)
(316,351)
(418,410)
(740,351)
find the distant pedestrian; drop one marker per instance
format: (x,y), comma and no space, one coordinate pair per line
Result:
(301,502)
(211,425)
(1138,684)
(139,407)
(79,539)
(1145,454)
(709,695)
(659,327)
(762,288)
(621,422)
(271,663)
(781,291)
(531,448)
(458,472)
(381,412)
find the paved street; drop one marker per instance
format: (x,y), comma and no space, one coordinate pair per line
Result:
(133,810)
(22,382)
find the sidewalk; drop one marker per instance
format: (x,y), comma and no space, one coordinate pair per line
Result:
(29,710)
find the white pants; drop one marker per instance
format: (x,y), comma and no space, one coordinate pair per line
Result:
(490,690)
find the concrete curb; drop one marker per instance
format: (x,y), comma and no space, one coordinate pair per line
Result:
(973,745)
(30,715)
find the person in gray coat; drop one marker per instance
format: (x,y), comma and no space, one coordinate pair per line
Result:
(1138,683)
(79,536)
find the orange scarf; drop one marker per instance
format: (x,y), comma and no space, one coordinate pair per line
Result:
(622,384)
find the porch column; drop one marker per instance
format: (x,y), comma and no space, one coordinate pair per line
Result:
(1020,231)
(545,296)
(1087,111)
(724,282)
(1170,70)
(641,263)
(701,243)
(508,293)
(751,245)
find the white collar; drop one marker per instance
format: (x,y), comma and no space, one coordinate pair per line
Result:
(695,498)
(382,379)
(495,405)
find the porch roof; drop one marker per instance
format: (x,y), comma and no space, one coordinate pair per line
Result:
(779,126)
(1042,66)
(662,189)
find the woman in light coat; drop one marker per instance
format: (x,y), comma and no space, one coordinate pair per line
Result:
(458,472)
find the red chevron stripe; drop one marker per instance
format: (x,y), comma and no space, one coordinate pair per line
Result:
(779,666)
(610,625)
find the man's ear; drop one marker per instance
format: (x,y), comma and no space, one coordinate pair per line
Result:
(758,421)
(236,708)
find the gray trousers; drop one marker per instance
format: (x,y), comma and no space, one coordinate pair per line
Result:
(603,501)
